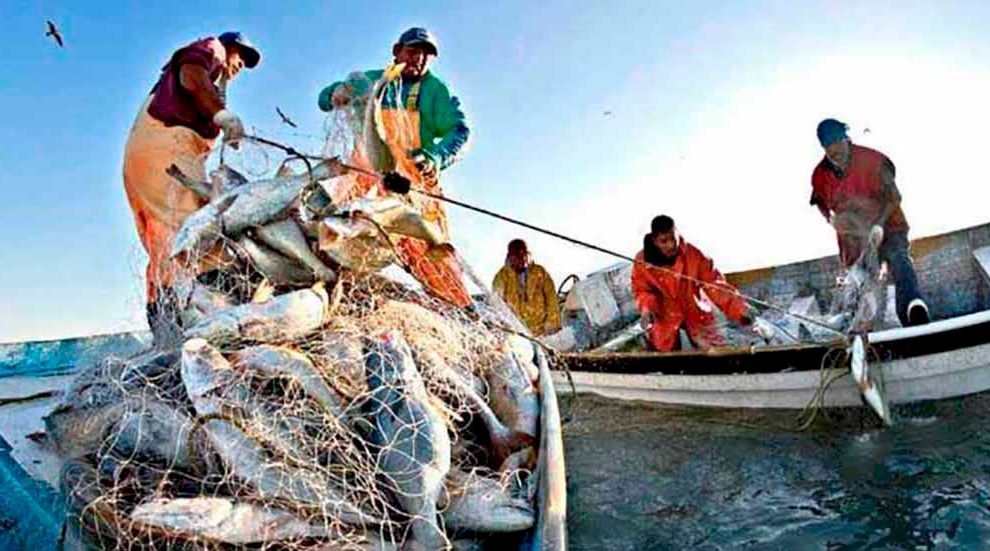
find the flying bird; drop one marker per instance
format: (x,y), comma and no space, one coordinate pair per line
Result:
(607,113)
(53,32)
(285,119)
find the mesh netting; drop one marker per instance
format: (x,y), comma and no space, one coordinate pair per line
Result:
(297,399)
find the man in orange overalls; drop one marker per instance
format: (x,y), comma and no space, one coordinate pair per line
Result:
(177,124)
(421,130)
(676,286)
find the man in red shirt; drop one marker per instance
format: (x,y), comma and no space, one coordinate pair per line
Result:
(676,286)
(178,124)
(853,188)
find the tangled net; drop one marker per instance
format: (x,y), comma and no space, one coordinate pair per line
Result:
(296,405)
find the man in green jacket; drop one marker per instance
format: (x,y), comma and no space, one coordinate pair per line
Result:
(418,129)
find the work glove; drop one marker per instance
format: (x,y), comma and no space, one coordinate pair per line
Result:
(876,235)
(764,329)
(233,128)
(396,183)
(426,163)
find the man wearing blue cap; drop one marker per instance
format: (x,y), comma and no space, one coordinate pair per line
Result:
(419,130)
(178,124)
(853,187)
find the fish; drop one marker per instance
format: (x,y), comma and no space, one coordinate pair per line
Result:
(359,235)
(95,399)
(864,380)
(242,207)
(372,129)
(285,317)
(260,202)
(223,179)
(276,361)
(503,440)
(207,376)
(203,189)
(224,520)
(481,504)
(276,268)
(285,237)
(513,396)
(410,437)
(198,301)
(201,230)
(151,429)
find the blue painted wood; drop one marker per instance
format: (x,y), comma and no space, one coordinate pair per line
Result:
(66,355)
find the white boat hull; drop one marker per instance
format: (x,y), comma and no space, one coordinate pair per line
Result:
(931,377)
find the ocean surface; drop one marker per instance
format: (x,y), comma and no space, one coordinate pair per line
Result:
(647,477)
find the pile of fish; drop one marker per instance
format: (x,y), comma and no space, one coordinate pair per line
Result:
(306,402)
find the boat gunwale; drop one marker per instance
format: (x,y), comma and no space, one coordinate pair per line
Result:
(898,343)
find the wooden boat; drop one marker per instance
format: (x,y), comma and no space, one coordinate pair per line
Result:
(947,358)
(31,376)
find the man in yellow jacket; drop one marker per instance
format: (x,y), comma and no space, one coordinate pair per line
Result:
(528,289)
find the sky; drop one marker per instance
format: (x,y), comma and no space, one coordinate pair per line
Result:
(588,118)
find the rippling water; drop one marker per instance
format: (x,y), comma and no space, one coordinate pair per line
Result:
(647,477)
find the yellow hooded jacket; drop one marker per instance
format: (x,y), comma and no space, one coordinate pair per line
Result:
(537,304)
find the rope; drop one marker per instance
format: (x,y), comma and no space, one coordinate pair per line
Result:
(551,233)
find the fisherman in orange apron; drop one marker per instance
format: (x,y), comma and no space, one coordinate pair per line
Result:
(422,130)
(178,124)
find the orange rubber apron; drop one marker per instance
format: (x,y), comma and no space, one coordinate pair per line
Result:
(158,202)
(440,274)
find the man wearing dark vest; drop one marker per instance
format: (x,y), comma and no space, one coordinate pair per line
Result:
(853,188)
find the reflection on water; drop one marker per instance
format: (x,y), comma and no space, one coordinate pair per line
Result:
(647,477)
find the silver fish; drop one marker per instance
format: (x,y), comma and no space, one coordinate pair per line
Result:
(286,237)
(372,125)
(513,396)
(277,361)
(223,179)
(197,301)
(284,317)
(207,376)
(277,269)
(480,504)
(203,189)
(864,380)
(246,206)
(503,439)
(258,203)
(410,436)
(224,520)
(150,429)
(202,229)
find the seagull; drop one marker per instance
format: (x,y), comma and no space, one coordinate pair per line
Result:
(53,32)
(285,119)
(866,130)
(607,113)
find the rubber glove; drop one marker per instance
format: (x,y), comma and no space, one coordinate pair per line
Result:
(233,128)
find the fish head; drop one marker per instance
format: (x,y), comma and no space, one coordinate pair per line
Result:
(225,179)
(204,369)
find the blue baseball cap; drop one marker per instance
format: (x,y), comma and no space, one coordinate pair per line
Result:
(250,54)
(419,35)
(831,131)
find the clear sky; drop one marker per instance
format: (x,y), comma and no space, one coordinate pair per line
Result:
(713,110)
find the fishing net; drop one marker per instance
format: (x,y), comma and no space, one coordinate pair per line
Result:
(297,397)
